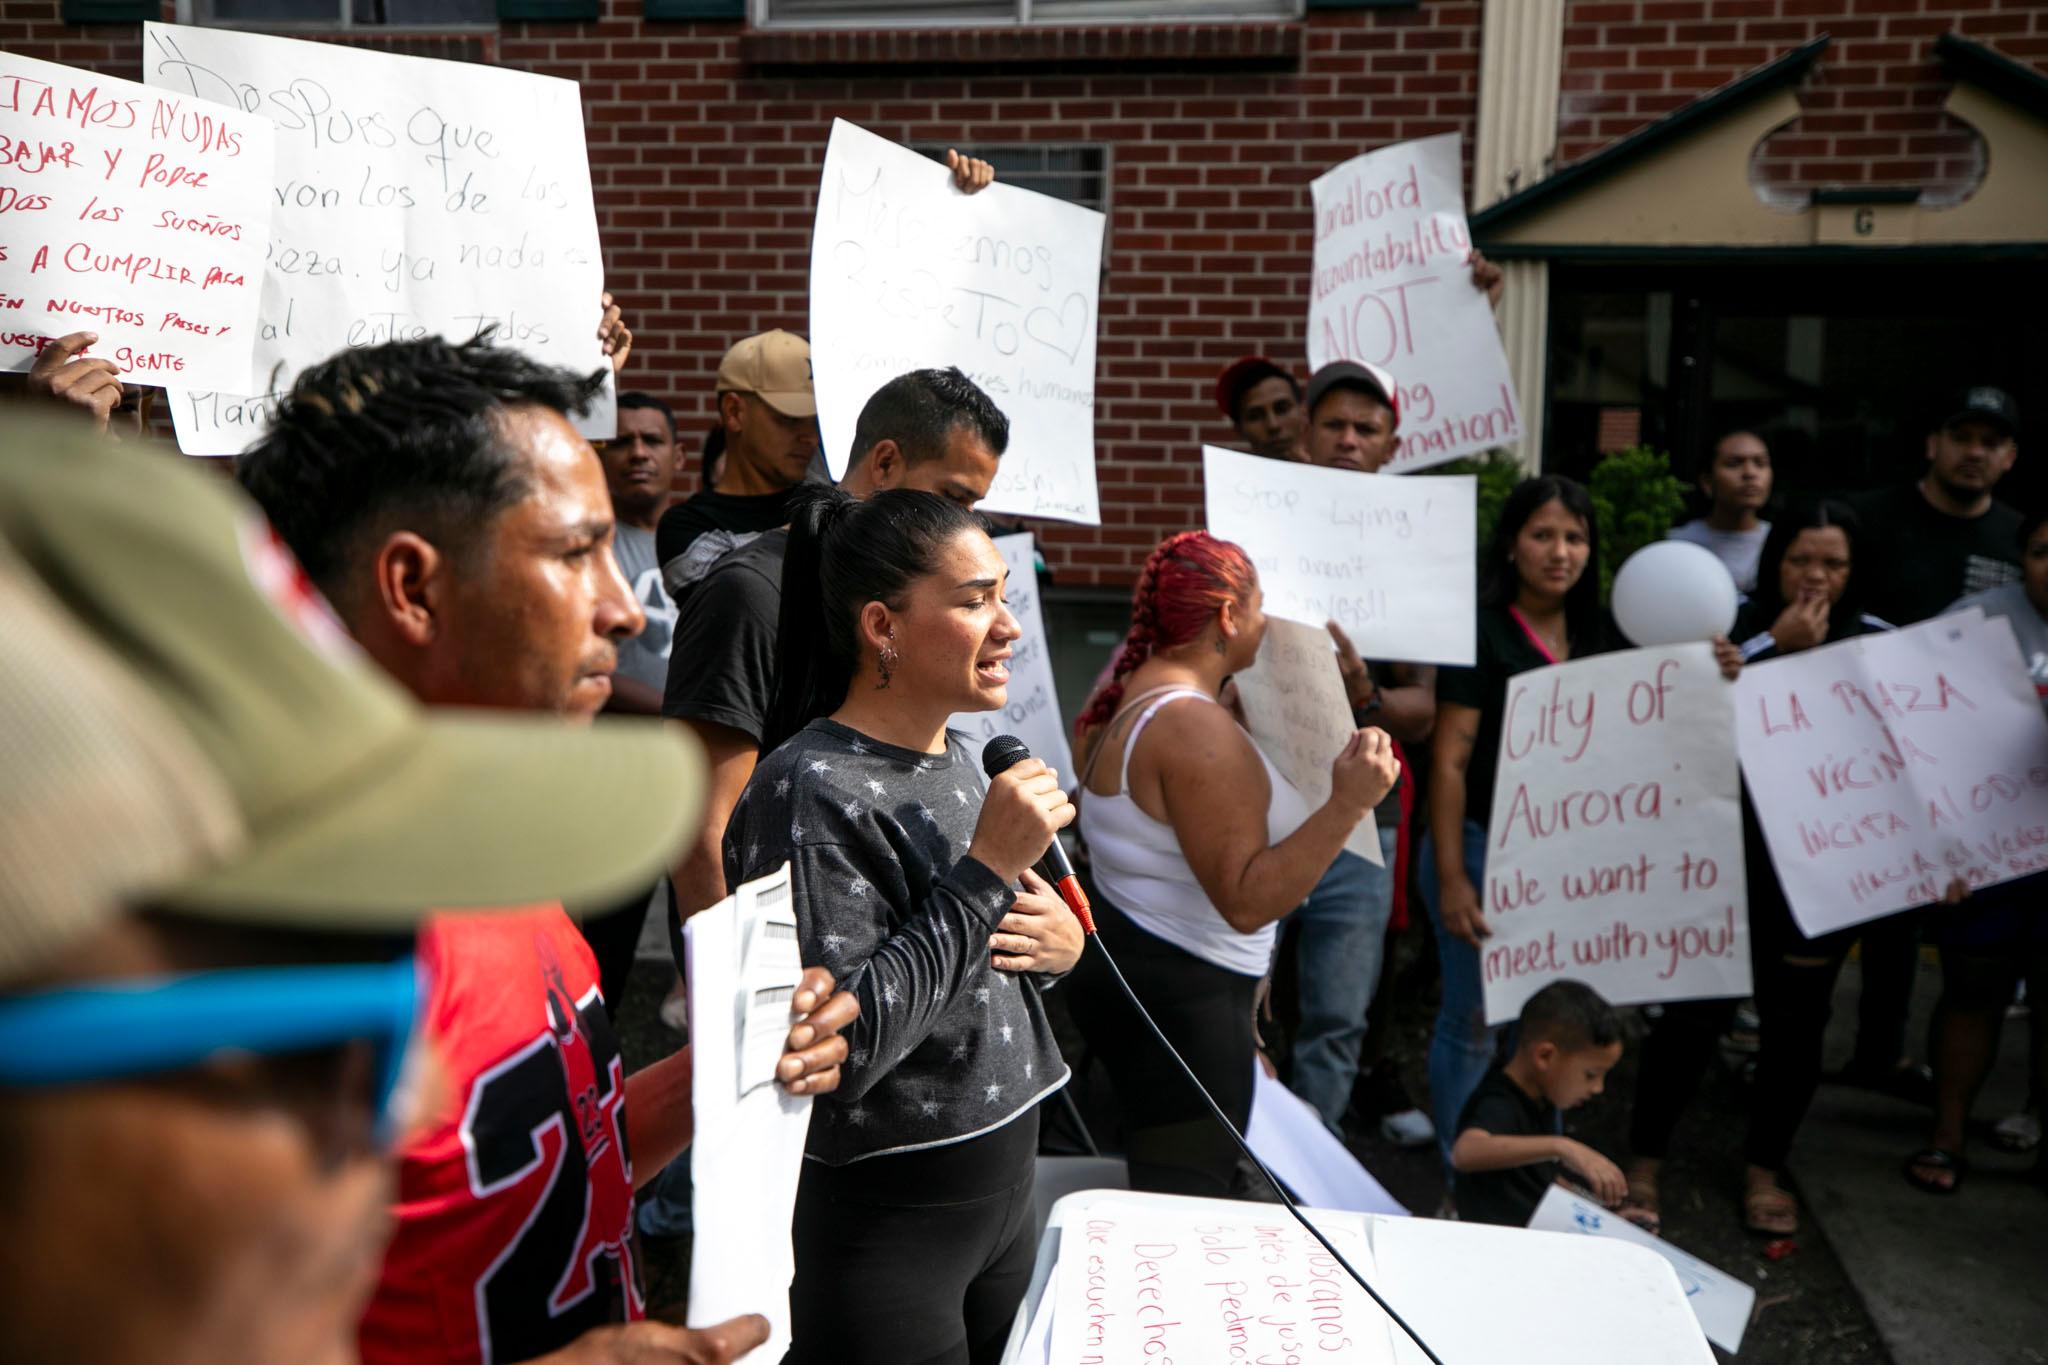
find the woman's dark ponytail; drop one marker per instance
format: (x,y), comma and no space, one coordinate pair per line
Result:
(843,554)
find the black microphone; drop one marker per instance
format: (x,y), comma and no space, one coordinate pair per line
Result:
(1000,755)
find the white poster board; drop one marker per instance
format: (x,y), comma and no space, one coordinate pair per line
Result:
(1137,1283)
(1721,1302)
(133,214)
(1392,561)
(1885,767)
(748,1150)
(1033,712)
(908,273)
(1287,1134)
(1614,853)
(410,198)
(1391,285)
(1297,713)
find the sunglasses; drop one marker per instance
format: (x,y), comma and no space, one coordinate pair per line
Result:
(124,1029)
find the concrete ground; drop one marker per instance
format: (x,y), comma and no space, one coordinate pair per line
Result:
(1953,1281)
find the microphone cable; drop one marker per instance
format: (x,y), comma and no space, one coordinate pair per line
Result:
(1005,750)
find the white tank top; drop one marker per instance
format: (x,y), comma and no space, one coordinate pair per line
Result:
(1138,864)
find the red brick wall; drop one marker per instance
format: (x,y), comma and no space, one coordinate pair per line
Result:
(706,169)
(1871,106)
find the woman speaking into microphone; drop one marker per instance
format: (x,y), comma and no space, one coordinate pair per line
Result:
(1199,848)
(913,1218)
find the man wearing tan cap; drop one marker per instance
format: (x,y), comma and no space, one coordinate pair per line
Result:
(769,414)
(220,824)
(439,497)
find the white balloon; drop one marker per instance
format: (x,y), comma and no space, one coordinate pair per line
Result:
(1674,592)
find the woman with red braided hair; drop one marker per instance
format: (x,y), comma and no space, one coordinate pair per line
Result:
(1199,848)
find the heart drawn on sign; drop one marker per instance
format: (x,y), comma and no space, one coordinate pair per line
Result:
(1053,332)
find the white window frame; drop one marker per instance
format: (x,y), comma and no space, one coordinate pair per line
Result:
(1029,13)
(194,12)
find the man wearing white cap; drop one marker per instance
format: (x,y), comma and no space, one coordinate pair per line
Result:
(1353,422)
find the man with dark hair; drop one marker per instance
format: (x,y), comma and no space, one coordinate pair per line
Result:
(1263,403)
(1944,536)
(221,827)
(1737,485)
(1352,415)
(640,473)
(463,530)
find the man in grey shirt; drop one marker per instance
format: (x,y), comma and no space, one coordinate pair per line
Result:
(640,471)
(1737,482)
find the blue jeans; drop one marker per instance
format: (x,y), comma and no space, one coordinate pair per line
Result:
(1461,1049)
(1343,935)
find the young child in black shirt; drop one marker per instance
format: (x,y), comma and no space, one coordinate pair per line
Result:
(1511,1139)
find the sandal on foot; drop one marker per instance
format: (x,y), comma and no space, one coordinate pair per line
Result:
(1770,1210)
(1923,1170)
(1640,1205)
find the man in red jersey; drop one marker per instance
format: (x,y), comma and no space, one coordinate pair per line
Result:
(440,499)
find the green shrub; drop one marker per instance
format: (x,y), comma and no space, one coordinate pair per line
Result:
(1497,472)
(1636,499)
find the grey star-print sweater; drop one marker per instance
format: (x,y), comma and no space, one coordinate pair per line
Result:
(946,1047)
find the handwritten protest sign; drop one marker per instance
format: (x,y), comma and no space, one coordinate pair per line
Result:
(1614,854)
(1392,561)
(134,214)
(1391,286)
(1139,1283)
(1295,708)
(1033,711)
(1885,767)
(1721,1302)
(907,272)
(410,198)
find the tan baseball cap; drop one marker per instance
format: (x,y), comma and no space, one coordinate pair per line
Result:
(776,368)
(358,809)
(103,798)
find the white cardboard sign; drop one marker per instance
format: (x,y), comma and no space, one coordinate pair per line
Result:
(1033,712)
(1391,285)
(1614,852)
(410,198)
(131,213)
(1298,715)
(1883,768)
(748,1151)
(908,273)
(1721,1302)
(1392,561)
(1196,1287)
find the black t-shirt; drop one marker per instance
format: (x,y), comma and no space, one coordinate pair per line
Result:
(1504,1109)
(694,535)
(721,666)
(1917,560)
(1503,649)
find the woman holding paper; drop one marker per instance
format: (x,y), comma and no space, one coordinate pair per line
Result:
(1807,595)
(913,1230)
(1539,604)
(1198,848)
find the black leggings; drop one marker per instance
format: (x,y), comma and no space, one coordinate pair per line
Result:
(919,1258)
(1794,997)
(1795,988)
(1172,1142)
